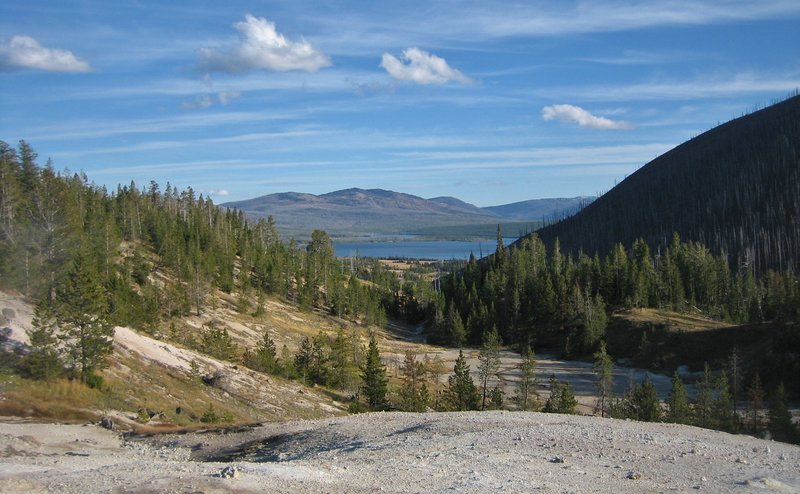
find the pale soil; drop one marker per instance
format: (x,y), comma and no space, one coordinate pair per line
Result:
(397,452)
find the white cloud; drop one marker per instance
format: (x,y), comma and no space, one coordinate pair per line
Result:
(422,68)
(201,102)
(262,47)
(226,97)
(220,193)
(207,100)
(25,52)
(576,114)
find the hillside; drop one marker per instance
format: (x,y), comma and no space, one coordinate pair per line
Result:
(359,212)
(541,209)
(734,188)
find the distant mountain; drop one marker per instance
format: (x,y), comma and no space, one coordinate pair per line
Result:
(735,188)
(358,212)
(541,209)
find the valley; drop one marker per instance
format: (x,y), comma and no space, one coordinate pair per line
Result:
(323,247)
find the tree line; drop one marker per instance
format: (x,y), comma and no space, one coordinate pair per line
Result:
(528,292)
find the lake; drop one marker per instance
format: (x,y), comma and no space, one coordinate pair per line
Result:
(441,250)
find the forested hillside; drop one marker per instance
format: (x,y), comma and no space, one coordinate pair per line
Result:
(160,254)
(735,189)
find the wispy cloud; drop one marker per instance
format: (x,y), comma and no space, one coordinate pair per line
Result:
(262,47)
(714,86)
(576,114)
(421,67)
(208,100)
(107,128)
(24,52)
(536,157)
(479,21)
(532,18)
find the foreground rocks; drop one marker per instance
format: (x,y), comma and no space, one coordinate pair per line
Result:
(396,452)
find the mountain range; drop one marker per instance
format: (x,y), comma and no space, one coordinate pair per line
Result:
(734,188)
(359,212)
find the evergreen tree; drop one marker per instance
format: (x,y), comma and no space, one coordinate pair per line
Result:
(705,397)
(780,419)
(414,396)
(755,397)
(526,387)
(374,377)
(265,358)
(43,361)
(80,312)
(461,393)
(343,369)
(679,411)
(567,402)
(488,363)
(646,406)
(217,342)
(722,407)
(603,369)
(562,398)
(302,359)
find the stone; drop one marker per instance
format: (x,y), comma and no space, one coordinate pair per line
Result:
(633,475)
(229,472)
(107,423)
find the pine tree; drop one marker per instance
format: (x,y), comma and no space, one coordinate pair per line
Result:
(567,402)
(217,342)
(603,369)
(722,406)
(413,392)
(43,361)
(679,411)
(302,359)
(265,358)
(374,377)
(461,393)
(80,311)
(755,397)
(488,363)
(705,397)
(562,398)
(645,402)
(780,419)
(526,388)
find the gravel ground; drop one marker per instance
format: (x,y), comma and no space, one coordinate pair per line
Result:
(400,452)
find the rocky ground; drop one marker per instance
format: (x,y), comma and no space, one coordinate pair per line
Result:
(399,452)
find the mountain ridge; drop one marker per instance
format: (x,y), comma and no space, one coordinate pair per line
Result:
(357,211)
(734,188)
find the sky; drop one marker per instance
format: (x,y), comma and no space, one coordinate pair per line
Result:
(489,102)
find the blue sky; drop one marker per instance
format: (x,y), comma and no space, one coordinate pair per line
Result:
(490,102)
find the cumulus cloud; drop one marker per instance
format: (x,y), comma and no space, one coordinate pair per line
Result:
(24,52)
(421,67)
(219,193)
(576,114)
(262,47)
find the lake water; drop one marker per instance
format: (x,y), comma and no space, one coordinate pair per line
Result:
(441,250)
